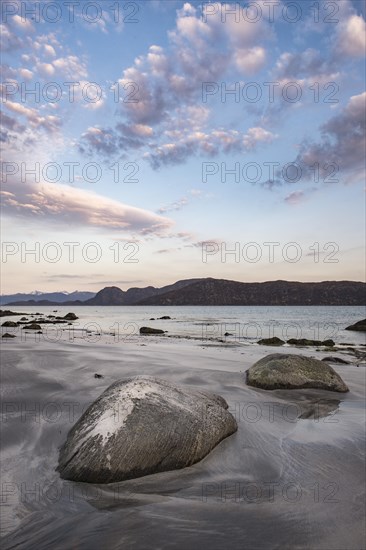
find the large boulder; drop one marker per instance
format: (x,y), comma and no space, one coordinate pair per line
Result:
(9,324)
(282,371)
(140,426)
(359,326)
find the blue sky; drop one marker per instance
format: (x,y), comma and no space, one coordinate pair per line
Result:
(150,111)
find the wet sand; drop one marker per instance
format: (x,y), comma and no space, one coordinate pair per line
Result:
(280,482)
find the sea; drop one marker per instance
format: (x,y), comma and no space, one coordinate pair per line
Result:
(240,324)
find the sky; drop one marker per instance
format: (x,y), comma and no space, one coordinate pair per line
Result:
(148,142)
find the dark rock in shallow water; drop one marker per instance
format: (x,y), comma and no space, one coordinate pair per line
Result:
(271,341)
(149,330)
(70,317)
(7,313)
(141,426)
(359,326)
(7,335)
(164,317)
(306,342)
(9,324)
(282,371)
(96,375)
(32,326)
(336,360)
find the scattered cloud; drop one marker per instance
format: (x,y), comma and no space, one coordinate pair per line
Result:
(343,143)
(351,37)
(50,123)
(173,207)
(162,90)
(294,198)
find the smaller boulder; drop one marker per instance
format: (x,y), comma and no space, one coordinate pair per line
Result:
(287,371)
(149,330)
(165,317)
(7,335)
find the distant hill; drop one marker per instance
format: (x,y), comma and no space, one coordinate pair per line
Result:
(37,297)
(218,292)
(222,292)
(114,296)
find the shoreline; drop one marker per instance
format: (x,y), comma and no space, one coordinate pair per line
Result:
(46,386)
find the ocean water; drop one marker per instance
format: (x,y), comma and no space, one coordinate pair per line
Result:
(245,324)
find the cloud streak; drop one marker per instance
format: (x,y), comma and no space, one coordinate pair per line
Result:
(63,204)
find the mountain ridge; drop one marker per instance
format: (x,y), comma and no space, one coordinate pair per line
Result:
(37,295)
(210,291)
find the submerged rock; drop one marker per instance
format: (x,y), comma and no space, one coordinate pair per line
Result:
(149,330)
(282,371)
(359,326)
(271,341)
(165,317)
(141,426)
(7,335)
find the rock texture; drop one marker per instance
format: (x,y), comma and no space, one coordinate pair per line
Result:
(140,426)
(359,326)
(282,371)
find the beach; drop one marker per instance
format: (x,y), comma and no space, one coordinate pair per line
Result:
(292,476)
